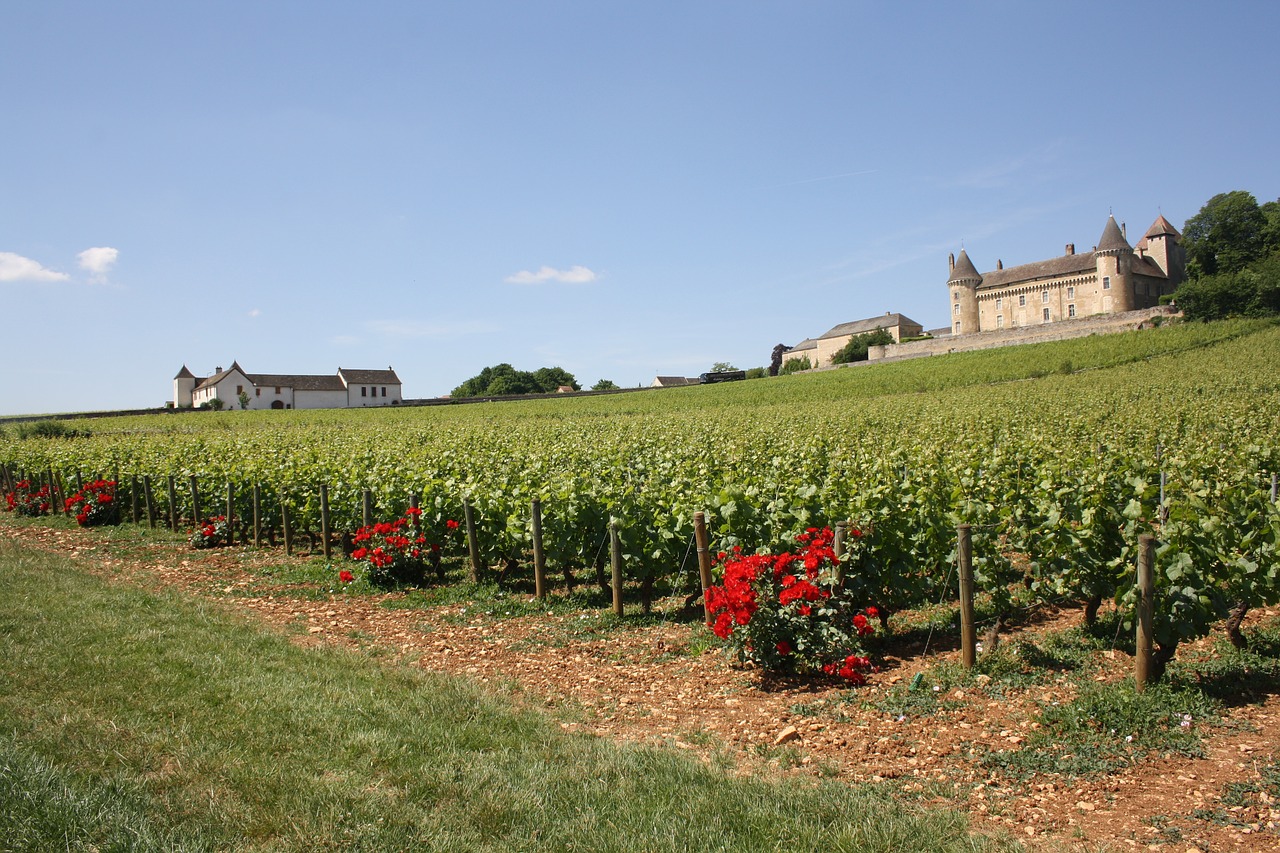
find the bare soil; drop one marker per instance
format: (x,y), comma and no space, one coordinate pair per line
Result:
(667,684)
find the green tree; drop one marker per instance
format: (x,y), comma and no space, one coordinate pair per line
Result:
(502,380)
(757,373)
(1228,234)
(722,367)
(551,379)
(857,347)
(604,385)
(244,400)
(794,365)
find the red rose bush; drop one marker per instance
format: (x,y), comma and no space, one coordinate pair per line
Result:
(397,552)
(787,613)
(95,504)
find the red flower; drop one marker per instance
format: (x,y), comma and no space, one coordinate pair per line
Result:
(784,648)
(346,576)
(451,524)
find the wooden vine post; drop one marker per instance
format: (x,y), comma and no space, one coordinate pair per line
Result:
(231,514)
(1142,662)
(257,515)
(173,504)
(150,499)
(324,522)
(539,556)
(133,496)
(473,544)
(703,542)
(615,562)
(837,545)
(968,632)
(284,522)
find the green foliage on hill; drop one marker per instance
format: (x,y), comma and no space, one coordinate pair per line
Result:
(1233,259)
(503,380)
(856,349)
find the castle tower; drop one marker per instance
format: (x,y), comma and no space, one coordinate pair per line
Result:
(1114,258)
(1163,244)
(184,384)
(963,285)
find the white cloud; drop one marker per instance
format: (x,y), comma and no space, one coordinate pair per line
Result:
(573,275)
(17,268)
(254,312)
(98,261)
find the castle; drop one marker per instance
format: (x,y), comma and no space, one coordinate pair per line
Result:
(1113,278)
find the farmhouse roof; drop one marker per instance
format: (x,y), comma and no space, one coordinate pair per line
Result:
(806,344)
(858,327)
(369,377)
(298,382)
(673,382)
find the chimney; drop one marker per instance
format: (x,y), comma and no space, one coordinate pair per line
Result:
(1071,248)
(999,264)
(1124,231)
(217,370)
(887,313)
(951,262)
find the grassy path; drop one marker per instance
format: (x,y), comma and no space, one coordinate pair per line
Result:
(135,720)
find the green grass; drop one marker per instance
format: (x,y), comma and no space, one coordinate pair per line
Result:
(131,720)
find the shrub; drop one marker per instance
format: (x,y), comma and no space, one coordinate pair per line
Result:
(857,347)
(214,533)
(398,551)
(795,365)
(28,500)
(95,504)
(787,613)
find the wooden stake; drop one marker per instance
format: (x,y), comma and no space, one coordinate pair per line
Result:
(324,522)
(837,545)
(195,501)
(173,504)
(473,544)
(703,542)
(615,561)
(257,515)
(539,558)
(231,514)
(1142,662)
(968,632)
(133,496)
(284,522)
(151,501)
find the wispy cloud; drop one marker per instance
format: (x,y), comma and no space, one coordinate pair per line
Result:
(254,312)
(98,262)
(441,331)
(14,267)
(1007,172)
(573,275)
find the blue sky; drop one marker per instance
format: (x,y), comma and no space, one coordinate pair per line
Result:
(619,189)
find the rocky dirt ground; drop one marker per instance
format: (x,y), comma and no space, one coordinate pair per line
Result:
(667,682)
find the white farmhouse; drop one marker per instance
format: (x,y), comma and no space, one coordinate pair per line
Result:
(343,390)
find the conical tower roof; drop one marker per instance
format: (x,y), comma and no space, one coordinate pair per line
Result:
(1162,228)
(185,374)
(964,269)
(1113,238)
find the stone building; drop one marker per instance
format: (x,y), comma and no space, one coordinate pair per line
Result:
(1113,278)
(343,390)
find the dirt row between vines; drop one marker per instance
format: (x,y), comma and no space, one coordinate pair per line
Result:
(659,685)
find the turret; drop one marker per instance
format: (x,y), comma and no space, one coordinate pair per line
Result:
(1114,259)
(184,384)
(963,285)
(1163,244)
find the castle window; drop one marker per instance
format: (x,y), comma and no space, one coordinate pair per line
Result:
(956,310)
(999,302)
(1046,315)
(1071,292)
(1106,282)
(957,327)
(1044,297)
(1071,310)
(1022,300)
(999,321)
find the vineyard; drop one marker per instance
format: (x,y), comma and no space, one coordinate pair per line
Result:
(1058,456)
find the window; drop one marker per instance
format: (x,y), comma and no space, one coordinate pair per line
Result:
(1071,310)
(1046,315)
(239,390)
(956,310)
(364,392)
(999,303)
(999,321)
(277,389)
(1044,297)
(957,327)
(1106,282)
(1071,293)
(384,392)
(1022,299)
(257,392)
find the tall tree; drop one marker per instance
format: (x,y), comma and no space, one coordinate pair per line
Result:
(1228,234)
